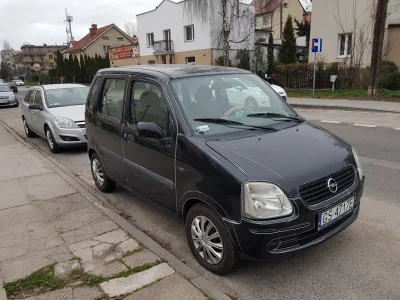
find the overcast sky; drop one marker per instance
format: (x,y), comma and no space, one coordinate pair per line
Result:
(41,21)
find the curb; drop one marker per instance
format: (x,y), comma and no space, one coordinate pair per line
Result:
(328,107)
(101,202)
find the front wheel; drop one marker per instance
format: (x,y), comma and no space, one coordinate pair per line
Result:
(209,240)
(251,104)
(53,146)
(29,133)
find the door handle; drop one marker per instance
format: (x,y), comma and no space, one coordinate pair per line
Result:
(98,124)
(129,137)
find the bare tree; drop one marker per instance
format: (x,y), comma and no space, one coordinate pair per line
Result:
(225,17)
(130,28)
(6,45)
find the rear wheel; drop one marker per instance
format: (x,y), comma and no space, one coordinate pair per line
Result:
(53,146)
(100,177)
(209,240)
(29,133)
(251,104)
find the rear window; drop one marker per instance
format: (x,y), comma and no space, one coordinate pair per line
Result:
(66,96)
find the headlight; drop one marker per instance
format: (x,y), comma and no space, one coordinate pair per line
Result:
(65,123)
(360,172)
(263,200)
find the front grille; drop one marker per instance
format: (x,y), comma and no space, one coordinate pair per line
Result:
(317,191)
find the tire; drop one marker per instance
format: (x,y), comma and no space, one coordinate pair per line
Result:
(100,177)
(51,142)
(228,257)
(251,104)
(29,133)
(16,105)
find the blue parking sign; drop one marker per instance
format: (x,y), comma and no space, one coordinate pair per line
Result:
(316,45)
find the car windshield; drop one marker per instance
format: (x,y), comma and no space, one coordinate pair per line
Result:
(66,96)
(224,103)
(4,88)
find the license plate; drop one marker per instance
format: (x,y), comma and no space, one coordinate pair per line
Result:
(335,213)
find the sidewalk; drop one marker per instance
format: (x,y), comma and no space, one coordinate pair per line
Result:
(68,246)
(379,106)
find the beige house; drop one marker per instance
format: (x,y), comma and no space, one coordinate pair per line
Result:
(98,40)
(271,16)
(346,28)
(38,57)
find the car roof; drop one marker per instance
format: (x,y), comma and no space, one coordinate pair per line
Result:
(48,87)
(175,71)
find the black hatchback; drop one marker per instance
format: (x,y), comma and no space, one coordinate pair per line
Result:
(222,151)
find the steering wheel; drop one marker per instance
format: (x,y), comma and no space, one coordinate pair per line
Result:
(232,110)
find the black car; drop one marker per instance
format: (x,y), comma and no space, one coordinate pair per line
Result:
(13,87)
(257,184)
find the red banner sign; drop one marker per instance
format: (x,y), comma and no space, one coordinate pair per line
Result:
(121,52)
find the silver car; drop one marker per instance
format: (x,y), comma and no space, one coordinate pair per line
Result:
(56,112)
(7,97)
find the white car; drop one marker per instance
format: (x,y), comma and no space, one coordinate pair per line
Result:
(19,82)
(250,95)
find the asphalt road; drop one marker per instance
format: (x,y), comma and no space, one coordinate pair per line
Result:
(363,262)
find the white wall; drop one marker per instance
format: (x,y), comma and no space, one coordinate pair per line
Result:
(170,15)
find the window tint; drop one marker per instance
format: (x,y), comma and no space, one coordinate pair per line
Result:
(148,105)
(112,100)
(93,94)
(38,98)
(31,98)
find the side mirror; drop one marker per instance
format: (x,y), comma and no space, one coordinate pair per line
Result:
(35,107)
(239,88)
(150,130)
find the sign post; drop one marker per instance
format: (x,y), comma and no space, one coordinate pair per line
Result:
(316,48)
(333,80)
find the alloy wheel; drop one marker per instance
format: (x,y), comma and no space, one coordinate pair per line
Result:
(98,171)
(251,104)
(50,139)
(26,127)
(207,240)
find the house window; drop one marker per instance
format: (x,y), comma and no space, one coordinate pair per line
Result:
(150,39)
(50,56)
(105,38)
(120,38)
(189,33)
(105,49)
(190,59)
(151,62)
(266,20)
(285,5)
(345,44)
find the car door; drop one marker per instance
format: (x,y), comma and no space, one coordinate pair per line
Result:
(150,162)
(28,115)
(24,107)
(107,121)
(37,116)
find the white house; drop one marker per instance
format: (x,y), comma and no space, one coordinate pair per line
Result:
(168,35)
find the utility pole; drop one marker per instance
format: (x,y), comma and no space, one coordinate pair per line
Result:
(281,12)
(377,46)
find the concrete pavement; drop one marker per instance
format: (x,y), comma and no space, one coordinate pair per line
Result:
(378,106)
(44,220)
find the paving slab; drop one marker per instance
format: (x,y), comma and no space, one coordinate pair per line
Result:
(3,295)
(111,269)
(86,293)
(140,258)
(63,270)
(128,245)
(104,227)
(172,287)
(121,286)
(11,195)
(63,294)
(20,269)
(113,237)
(83,244)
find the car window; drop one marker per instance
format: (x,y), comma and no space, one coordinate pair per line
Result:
(148,105)
(4,88)
(66,96)
(112,98)
(91,99)
(31,98)
(38,98)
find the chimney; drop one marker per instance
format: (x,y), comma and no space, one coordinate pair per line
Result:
(93,29)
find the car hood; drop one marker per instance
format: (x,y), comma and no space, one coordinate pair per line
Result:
(277,89)
(74,112)
(7,94)
(289,157)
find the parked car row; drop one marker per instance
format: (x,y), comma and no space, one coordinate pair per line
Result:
(250,179)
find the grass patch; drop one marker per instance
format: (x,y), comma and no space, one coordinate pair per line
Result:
(133,251)
(38,282)
(137,269)
(385,95)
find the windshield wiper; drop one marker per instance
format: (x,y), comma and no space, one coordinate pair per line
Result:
(230,122)
(275,115)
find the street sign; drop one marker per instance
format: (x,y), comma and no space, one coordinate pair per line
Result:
(333,78)
(316,45)
(24,74)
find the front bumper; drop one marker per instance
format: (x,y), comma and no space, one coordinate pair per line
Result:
(8,103)
(270,240)
(70,137)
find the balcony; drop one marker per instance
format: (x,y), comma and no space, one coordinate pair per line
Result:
(163,47)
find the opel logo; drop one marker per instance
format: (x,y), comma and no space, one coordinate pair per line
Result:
(332,185)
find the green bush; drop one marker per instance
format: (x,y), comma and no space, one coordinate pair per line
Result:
(388,78)
(393,81)
(243,56)
(219,61)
